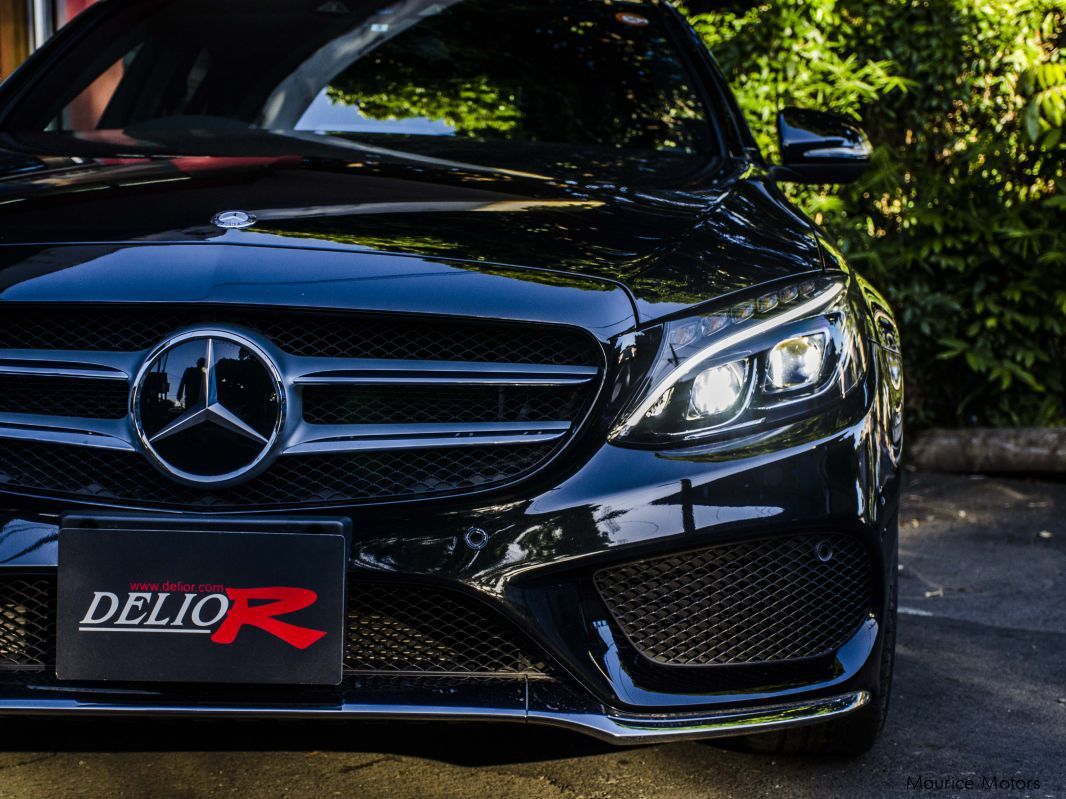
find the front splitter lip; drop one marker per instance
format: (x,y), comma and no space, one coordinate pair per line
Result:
(614,728)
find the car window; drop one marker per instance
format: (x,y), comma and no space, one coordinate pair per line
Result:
(590,73)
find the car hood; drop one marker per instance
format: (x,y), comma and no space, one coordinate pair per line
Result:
(114,217)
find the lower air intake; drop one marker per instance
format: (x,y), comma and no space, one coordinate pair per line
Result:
(404,628)
(762,601)
(27,622)
(391,628)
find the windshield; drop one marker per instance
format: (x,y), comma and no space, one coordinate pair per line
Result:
(588,75)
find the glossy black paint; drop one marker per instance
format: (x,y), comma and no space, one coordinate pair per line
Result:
(114,219)
(669,247)
(819,147)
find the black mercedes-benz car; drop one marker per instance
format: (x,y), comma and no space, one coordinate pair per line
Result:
(441,359)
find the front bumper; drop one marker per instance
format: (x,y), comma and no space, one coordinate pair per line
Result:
(485,703)
(620,505)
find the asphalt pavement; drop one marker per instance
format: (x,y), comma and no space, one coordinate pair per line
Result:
(980,695)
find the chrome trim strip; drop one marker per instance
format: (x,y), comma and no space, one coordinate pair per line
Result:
(58,370)
(70,363)
(304,371)
(62,707)
(633,729)
(441,380)
(99,433)
(612,727)
(311,438)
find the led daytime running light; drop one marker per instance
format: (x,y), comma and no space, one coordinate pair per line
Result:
(811,306)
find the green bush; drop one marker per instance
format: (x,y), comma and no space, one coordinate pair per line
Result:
(962,220)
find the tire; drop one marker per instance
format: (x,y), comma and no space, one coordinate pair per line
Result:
(850,735)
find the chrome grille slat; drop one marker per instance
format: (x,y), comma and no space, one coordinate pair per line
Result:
(308,438)
(364,404)
(71,364)
(361,371)
(61,370)
(79,432)
(303,439)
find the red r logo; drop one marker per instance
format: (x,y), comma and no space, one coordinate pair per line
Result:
(280,601)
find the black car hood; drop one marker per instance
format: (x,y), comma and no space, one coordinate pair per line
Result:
(76,215)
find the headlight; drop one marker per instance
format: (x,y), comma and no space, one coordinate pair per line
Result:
(781,355)
(796,362)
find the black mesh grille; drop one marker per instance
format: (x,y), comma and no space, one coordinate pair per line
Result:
(53,396)
(391,628)
(27,622)
(753,602)
(338,335)
(101,474)
(73,328)
(123,477)
(405,628)
(436,341)
(399,405)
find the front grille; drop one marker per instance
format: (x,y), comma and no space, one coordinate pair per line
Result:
(323,335)
(391,628)
(762,601)
(53,396)
(497,400)
(126,477)
(366,405)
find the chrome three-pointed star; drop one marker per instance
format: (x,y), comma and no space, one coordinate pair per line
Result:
(208,409)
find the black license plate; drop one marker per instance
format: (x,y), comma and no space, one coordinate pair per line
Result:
(194,607)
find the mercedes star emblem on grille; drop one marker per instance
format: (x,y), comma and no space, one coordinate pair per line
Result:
(208,406)
(233,220)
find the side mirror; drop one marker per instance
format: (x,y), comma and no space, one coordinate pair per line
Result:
(819,147)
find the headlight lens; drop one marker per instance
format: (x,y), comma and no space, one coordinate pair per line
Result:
(770,359)
(718,389)
(796,362)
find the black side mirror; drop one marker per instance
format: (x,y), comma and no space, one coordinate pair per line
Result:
(819,147)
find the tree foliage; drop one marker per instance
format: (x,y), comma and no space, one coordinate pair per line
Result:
(962,220)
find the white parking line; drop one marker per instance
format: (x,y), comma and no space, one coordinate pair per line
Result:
(913,611)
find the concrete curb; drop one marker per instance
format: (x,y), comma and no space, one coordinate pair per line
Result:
(991,449)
